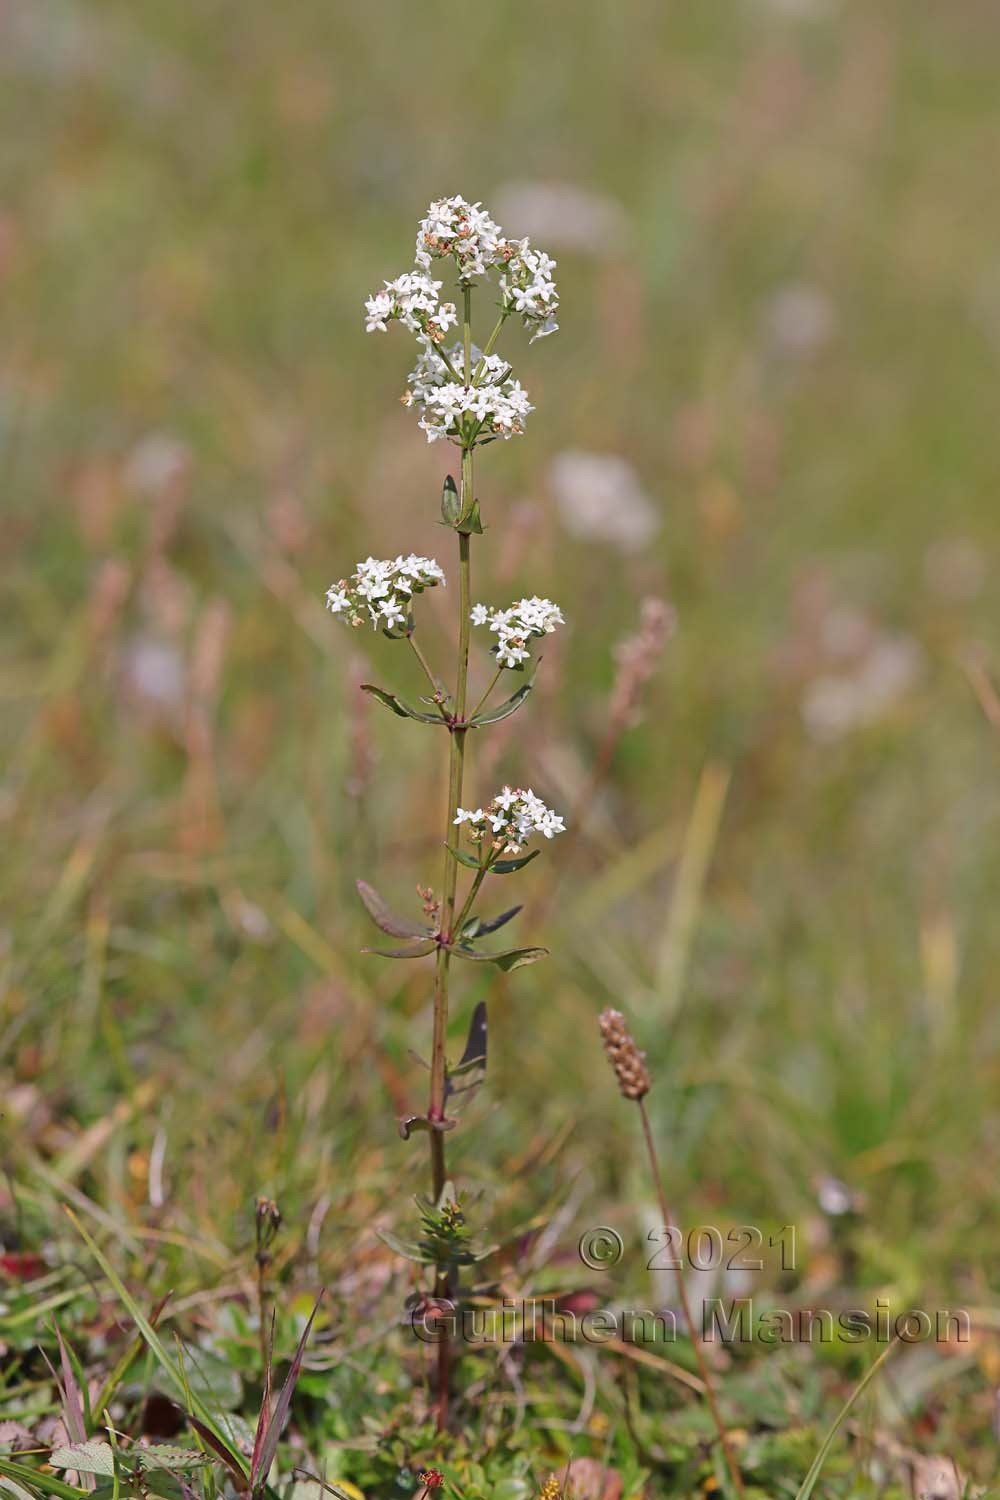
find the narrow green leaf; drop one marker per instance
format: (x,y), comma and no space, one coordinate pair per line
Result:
(491,924)
(405,1248)
(410,950)
(140,1320)
(503,710)
(471,523)
(512,958)
(809,1483)
(400,706)
(463,858)
(508,866)
(449,502)
(47,1484)
(384,917)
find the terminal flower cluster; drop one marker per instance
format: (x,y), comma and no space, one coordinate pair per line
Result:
(382,588)
(466,399)
(510,819)
(515,627)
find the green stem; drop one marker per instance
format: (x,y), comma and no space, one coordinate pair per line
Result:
(496,679)
(490,342)
(467,334)
(473,892)
(421,658)
(439,351)
(456,768)
(705,1372)
(449,881)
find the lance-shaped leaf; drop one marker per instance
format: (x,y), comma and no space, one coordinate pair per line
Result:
(400,706)
(477,927)
(511,958)
(450,506)
(222,1450)
(474,1056)
(475,1043)
(406,1248)
(409,1123)
(503,710)
(384,917)
(508,866)
(464,859)
(410,950)
(270,1425)
(22,1475)
(471,523)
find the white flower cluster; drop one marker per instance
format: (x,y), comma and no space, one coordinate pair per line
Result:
(511,818)
(412,299)
(461,230)
(383,587)
(478,404)
(495,407)
(527,288)
(515,627)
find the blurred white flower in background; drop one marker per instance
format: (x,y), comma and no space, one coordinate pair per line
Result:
(599,497)
(567,216)
(801,321)
(157,463)
(870,687)
(154,675)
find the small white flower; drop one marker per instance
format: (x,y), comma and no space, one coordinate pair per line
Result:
(381,587)
(480,404)
(514,814)
(516,626)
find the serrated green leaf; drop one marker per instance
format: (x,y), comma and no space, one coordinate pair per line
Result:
(401,707)
(384,917)
(86,1458)
(508,866)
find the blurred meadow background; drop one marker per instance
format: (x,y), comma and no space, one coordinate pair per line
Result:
(771,406)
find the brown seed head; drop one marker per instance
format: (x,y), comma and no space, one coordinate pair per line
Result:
(623,1054)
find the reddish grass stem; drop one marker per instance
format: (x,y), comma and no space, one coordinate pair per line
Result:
(699,1353)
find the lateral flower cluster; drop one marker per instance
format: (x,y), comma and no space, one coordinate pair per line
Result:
(515,627)
(476,401)
(413,300)
(494,407)
(510,819)
(382,589)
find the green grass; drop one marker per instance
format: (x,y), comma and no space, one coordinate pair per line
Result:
(197,199)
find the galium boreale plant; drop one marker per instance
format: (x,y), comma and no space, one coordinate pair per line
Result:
(466,395)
